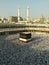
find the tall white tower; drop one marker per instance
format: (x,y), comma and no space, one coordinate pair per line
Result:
(18,14)
(28,13)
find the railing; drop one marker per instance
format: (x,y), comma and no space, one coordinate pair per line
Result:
(25,29)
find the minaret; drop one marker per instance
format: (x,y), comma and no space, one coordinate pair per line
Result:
(18,14)
(28,15)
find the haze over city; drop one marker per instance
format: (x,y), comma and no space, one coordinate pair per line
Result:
(37,7)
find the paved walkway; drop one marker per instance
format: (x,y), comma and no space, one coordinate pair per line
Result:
(15,52)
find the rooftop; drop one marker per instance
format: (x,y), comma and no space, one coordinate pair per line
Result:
(26,32)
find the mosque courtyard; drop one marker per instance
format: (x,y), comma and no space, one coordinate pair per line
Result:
(15,52)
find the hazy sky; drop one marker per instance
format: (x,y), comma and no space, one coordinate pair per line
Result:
(37,7)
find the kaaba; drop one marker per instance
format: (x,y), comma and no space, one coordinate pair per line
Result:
(25,36)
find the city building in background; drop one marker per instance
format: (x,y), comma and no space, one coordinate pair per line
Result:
(3,20)
(40,19)
(18,19)
(14,19)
